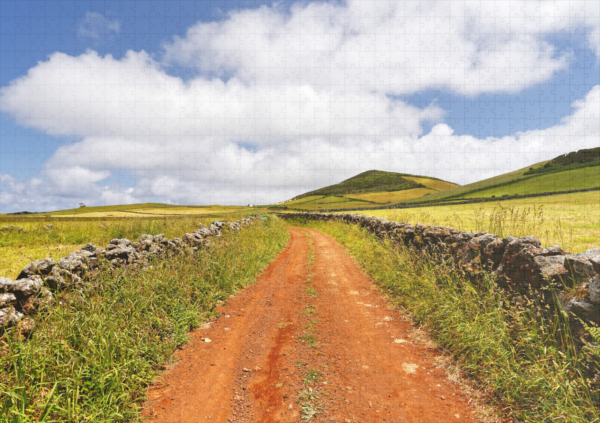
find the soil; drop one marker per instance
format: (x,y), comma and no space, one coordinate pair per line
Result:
(312,310)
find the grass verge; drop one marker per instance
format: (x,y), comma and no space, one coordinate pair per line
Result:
(509,352)
(94,353)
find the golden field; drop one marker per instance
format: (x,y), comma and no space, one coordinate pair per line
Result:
(171,211)
(392,197)
(434,184)
(569,220)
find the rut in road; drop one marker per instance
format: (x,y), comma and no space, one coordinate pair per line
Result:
(312,339)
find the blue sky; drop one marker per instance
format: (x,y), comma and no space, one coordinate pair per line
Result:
(255,101)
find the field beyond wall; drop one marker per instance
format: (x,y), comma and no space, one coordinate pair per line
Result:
(60,233)
(569,220)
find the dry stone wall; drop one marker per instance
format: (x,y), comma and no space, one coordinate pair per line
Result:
(522,267)
(38,282)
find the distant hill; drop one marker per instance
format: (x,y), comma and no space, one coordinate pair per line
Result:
(373,187)
(371,181)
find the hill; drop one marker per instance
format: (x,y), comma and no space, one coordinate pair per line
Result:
(575,170)
(573,160)
(372,181)
(373,187)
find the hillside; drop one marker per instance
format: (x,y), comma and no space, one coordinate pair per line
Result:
(573,160)
(575,170)
(369,181)
(377,181)
(373,187)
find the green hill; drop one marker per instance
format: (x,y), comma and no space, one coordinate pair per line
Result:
(574,160)
(368,182)
(572,171)
(371,188)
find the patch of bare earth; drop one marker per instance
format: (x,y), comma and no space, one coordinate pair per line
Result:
(324,318)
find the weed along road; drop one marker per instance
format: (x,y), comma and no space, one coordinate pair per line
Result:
(311,340)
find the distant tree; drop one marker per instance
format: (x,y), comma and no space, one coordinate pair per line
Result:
(81,205)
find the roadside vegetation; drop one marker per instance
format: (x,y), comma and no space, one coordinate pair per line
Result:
(569,220)
(94,352)
(527,366)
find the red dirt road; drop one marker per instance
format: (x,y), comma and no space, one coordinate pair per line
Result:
(311,313)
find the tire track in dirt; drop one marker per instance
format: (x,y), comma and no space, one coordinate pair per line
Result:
(254,366)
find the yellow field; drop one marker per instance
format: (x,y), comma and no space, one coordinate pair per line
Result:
(432,183)
(303,200)
(392,197)
(149,212)
(569,220)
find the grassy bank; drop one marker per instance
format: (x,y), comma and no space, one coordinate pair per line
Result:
(17,249)
(93,354)
(510,353)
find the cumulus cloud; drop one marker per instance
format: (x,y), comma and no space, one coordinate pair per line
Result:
(284,102)
(387,47)
(95,26)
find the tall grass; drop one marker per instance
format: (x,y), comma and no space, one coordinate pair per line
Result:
(522,356)
(93,353)
(571,220)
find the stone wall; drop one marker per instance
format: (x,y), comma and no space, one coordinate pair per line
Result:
(38,282)
(522,267)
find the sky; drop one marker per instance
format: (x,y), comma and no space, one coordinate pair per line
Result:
(255,102)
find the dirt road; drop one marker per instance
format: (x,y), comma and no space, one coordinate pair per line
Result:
(312,337)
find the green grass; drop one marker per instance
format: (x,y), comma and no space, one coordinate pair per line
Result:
(526,363)
(459,192)
(309,403)
(312,376)
(529,180)
(586,177)
(330,203)
(563,167)
(94,353)
(311,292)
(572,160)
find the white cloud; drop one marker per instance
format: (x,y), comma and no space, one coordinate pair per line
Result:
(91,95)
(287,102)
(96,26)
(387,47)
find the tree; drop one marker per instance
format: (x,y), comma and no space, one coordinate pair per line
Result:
(81,205)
